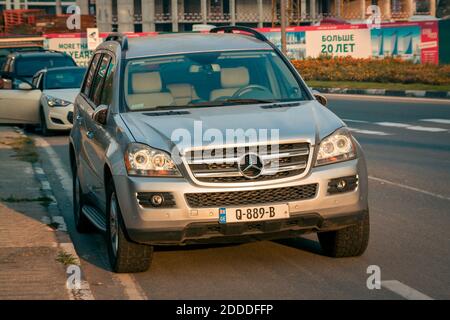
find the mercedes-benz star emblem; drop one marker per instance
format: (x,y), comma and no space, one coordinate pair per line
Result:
(251,165)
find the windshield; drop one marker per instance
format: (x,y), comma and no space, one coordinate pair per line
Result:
(211,78)
(64,79)
(27,67)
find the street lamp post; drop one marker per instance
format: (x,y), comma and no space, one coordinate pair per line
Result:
(283,25)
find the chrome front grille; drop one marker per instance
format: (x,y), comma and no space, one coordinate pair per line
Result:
(225,165)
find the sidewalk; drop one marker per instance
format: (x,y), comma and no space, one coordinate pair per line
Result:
(29,247)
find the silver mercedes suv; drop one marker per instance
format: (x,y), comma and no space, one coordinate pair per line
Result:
(208,138)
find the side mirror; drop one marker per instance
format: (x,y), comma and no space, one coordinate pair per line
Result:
(100,114)
(320,97)
(24,86)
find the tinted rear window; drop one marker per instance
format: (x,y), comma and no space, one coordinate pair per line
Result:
(27,67)
(64,79)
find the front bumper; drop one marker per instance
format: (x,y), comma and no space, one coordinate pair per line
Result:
(214,232)
(183,224)
(59,118)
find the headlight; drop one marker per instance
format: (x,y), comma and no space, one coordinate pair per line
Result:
(141,160)
(336,147)
(56,102)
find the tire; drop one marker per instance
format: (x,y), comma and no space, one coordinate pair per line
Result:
(44,129)
(348,242)
(30,128)
(125,256)
(82,224)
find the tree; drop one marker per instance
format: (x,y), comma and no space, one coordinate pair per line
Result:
(443,9)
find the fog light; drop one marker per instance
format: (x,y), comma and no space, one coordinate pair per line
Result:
(157,200)
(341,184)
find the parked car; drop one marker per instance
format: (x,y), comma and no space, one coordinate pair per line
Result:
(20,99)
(8,49)
(59,88)
(137,180)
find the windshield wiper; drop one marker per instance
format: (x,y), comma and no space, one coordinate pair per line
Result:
(207,104)
(248,101)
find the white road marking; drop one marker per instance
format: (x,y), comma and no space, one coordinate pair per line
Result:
(84,291)
(428,129)
(404,291)
(397,125)
(131,287)
(443,121)
(392,124)
(440,196)
(59,221)
(46,185)
(377,133)
(65,179)
(356,121)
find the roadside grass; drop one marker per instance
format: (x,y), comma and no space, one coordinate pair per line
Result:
(24,148)
(66,258)
(377,85)
(44,201)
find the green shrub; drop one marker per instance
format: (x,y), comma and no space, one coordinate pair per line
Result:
(388,70)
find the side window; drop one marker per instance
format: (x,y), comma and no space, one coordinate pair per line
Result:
(107,92)
(41,81)
(35,81)
(99,79)
(7,65)
(90,74)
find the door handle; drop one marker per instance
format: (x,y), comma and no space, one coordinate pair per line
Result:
(90,134)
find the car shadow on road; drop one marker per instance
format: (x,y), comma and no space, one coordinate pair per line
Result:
(299,243)
(303,244)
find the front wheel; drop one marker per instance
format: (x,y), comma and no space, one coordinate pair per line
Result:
(124,255)
(348,242)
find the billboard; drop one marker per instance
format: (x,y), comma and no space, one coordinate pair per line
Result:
(76,44)
(415,41)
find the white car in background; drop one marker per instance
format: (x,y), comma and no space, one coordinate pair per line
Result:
(59,88)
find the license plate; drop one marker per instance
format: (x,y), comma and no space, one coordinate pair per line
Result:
(244,214)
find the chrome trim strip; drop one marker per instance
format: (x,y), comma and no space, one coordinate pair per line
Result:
(283,169)
(218,174)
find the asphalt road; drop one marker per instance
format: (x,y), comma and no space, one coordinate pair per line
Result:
(409,165)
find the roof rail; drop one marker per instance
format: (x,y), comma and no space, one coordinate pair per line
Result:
(230,29)
(121,38)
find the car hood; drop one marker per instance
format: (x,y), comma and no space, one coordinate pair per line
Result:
(309,121)
(65,94)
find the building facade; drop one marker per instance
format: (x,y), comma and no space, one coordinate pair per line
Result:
(181,15)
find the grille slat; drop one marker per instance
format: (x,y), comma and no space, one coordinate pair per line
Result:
(251,197)
(221,165)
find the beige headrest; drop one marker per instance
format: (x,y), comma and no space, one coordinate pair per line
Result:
(181,90)
(146,82)
(234,77)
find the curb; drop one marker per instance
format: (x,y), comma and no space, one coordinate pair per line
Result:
(385,92)
(77,291)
